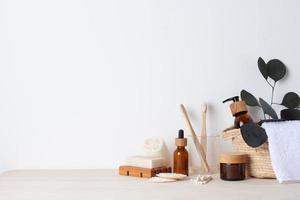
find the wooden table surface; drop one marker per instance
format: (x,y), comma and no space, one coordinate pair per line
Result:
(108,185)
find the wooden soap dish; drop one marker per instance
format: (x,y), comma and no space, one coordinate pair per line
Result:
(142,172)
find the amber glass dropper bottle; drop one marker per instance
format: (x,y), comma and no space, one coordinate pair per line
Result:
(181,155)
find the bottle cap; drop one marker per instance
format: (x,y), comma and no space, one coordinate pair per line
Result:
(181,141)
(238,107)
(233,158)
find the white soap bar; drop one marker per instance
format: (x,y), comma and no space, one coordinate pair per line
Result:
(146,161)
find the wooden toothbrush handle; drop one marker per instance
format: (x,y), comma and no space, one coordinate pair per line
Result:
(203,134)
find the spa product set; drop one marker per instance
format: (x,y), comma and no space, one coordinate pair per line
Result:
(158,165)
(255,143)
(154,165)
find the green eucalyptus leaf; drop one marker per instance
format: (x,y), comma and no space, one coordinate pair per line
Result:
(291,100)
(268,110)
(262,66)
(249,98)
(276,69)
(253,134)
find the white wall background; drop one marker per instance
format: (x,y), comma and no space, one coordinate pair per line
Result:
(84,82)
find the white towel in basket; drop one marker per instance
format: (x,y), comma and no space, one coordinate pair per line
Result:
(284,146)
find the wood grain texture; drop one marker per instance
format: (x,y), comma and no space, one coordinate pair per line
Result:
(109,185)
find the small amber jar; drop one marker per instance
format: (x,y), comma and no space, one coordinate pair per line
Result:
(233,166)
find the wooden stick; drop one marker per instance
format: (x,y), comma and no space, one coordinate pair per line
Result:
(203,134)
(198,146)
(203,128)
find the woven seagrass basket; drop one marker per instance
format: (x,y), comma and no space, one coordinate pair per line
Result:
(259,165)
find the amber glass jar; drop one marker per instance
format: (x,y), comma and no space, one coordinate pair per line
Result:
(233,166)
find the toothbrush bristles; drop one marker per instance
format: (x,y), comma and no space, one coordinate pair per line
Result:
(204,107)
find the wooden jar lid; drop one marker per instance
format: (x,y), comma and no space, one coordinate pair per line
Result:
(233,158)
(181,142)
(237,107)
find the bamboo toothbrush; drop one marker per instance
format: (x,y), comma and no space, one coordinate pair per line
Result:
(198,146)
(203,134)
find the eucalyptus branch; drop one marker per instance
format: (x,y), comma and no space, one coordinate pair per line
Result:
(269,83)
(273,90)
(273,72)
